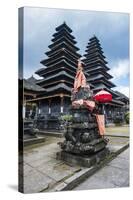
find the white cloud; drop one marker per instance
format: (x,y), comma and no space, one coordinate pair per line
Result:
(120,69)
(37,21)
(28,72)
(123,89)
(42,20)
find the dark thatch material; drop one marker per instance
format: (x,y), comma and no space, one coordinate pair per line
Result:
(29,84)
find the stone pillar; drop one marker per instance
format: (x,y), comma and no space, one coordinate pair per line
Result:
(62,103)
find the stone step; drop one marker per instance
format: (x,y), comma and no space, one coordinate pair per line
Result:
(51,133)
(32,141)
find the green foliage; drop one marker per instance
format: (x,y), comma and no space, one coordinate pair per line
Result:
(117,121)
(66,118)
(127,117)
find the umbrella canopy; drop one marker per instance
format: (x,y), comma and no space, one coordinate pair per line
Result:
(103,96)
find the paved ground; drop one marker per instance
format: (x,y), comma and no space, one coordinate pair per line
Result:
(121,131)
(115,174)
(42,171)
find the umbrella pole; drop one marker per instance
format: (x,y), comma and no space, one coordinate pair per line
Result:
(103,109)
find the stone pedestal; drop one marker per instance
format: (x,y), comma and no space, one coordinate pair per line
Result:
(83,160)
(82,133)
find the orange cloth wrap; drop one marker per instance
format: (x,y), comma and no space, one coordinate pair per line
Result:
(80,80)
(101,124)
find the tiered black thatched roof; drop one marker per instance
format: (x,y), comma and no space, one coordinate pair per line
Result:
(30,85)
(60,67)
(96,66)
(122,97)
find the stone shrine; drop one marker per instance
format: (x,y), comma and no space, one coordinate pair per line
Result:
(83,144)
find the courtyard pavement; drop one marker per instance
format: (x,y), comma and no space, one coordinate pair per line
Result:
(41,169)
(44,173)
(118,131)
(114,174)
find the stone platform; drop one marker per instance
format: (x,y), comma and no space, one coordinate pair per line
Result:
(83,160)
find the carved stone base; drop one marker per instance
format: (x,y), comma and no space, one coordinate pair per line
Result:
(84,160)
(84,148)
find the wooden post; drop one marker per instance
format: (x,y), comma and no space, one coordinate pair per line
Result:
(24,110)
(62,101)
(39,108)
(36,112)
(103,109)
(49,109)
(104,112)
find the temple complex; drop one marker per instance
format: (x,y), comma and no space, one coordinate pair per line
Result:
(57,77)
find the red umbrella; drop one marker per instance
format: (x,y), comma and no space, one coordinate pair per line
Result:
(103,96)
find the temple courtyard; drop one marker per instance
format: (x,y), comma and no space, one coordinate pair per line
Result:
(44,173)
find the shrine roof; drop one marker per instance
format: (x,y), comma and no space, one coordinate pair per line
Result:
(92,68)
(63,26)
(59,86)
(62,38)
(100,71)
(62,32)
(56,75)
(97,59)
(40,70)
(32,79)
(32,86)
(61,63)
(122,96)
(117,101)
(101,79)
(61,54)
(51,53)
(63,44)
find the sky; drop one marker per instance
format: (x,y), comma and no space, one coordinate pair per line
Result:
(112,29)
